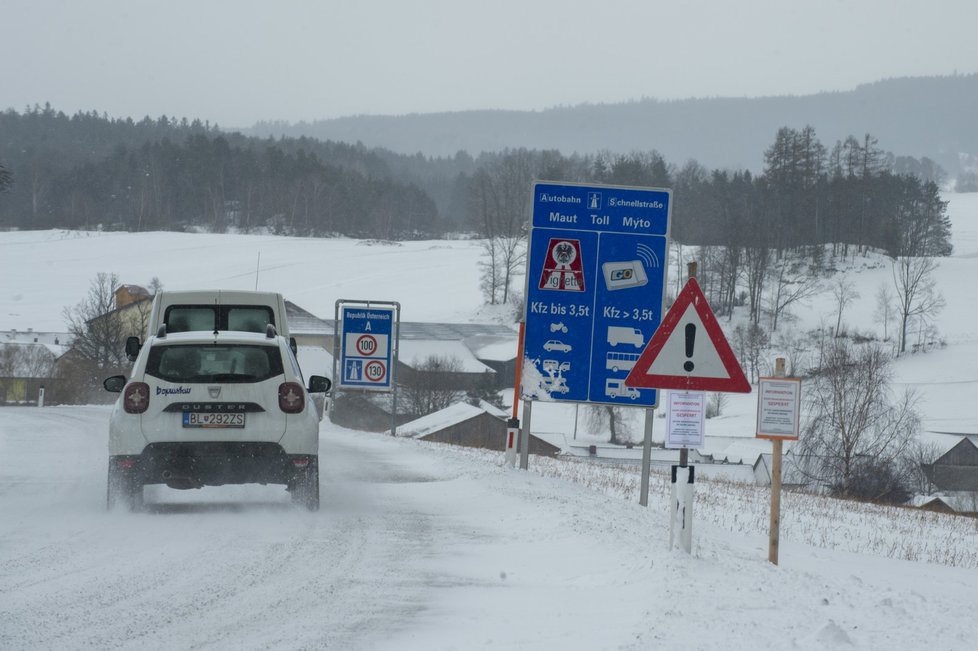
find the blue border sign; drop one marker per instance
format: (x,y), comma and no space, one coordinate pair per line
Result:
(365,348)
(595,288)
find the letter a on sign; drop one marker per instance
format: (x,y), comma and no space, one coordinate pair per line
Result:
(688,351)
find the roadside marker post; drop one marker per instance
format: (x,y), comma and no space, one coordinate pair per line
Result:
(681,520)
(512,437)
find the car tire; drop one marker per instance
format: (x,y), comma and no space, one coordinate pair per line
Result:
(305,488)
(123,490)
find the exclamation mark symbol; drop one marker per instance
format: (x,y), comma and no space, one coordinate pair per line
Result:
(690,342)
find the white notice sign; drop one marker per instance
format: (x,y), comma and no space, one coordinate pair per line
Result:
(686,420)
(778,408)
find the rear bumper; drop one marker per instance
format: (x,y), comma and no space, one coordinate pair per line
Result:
(193,465)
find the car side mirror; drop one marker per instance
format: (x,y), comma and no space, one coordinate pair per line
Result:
(132,348)
(319,384)
(294,346)
(115,384)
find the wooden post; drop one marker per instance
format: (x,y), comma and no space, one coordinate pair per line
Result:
(776,448)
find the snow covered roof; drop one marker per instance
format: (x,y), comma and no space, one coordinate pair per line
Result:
(304,322)
(496,348)
(439,420)
(959,501)
(30,336)
(414,352)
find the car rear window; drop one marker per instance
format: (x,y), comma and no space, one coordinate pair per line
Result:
(214,363)
(246,318)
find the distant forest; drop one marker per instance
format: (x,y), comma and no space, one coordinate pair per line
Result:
(89,171)
(930,117)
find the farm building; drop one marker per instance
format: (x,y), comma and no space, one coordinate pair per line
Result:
(470,426)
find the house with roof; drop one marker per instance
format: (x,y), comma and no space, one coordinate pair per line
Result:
(793,473)
(467,356)
(28,361)
(956,469)
(482,426)
(955,474)
(476,351)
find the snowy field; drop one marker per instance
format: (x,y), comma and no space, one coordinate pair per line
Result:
(421,546)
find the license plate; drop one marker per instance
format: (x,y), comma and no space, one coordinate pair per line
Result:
(212,419)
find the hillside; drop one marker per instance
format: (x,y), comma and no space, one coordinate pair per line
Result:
(925,116)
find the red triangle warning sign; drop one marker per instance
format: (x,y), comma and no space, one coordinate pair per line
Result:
(688,351)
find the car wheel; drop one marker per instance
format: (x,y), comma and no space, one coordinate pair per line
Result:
(305,489)
(123,490)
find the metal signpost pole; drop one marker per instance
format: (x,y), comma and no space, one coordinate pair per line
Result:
(684,452)
(774,539)
(513,426)
(643,498)
(525,435)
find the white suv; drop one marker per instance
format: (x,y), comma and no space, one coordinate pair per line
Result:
(214,408)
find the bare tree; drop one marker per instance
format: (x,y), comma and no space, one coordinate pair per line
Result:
(6,180)
(610,417)
(751,344)
(844,292)
(717,402)
(916,292)
(433,386)
(499,201)
(756,261)
(884,309)
(855,424)
(790,283)
(96,336)
(36,361)
(796,349)
(155,286)
(918,455)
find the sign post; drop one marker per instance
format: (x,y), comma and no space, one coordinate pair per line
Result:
(688,352)
(365,345)
(595,289)
(685,428)
(778,419)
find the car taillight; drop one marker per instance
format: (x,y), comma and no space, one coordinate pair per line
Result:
(291,398)
(125,463)
(136,398)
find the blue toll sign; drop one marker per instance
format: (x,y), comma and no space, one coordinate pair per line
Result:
(596,276)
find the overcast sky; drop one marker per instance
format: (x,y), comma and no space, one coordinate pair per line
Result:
(235,62)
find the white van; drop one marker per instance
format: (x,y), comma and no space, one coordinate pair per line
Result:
(616,388)
(619,335)
(215,310)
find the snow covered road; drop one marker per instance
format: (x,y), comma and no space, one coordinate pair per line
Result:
(418,546)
